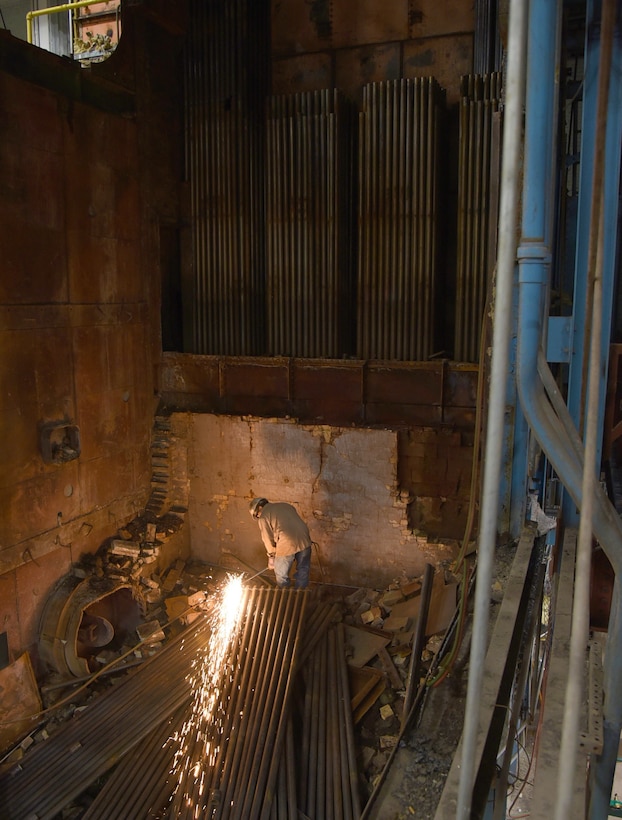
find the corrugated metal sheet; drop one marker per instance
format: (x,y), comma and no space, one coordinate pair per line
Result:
(477,207)
(399,133)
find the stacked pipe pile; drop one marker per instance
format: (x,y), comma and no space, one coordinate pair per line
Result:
(258,675)
(60,768)
(223,756)
(226,66)
(479,159)
(246,741)
(328,775)
(399,132)
(309,225)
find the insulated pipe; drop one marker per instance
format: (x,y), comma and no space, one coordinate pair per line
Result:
(494,436)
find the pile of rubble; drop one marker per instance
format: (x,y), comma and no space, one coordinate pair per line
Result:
(134,549)
(380,628)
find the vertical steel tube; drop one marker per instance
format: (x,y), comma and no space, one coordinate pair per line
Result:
(494,438)
(336,727)
(309,785)
(269,768)
(355,800)
(418,643)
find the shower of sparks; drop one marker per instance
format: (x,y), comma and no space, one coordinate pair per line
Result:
(199,738)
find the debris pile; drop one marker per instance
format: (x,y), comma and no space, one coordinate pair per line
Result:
(380,629)
(134,550)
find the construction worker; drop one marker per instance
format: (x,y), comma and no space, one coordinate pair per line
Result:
(286,539)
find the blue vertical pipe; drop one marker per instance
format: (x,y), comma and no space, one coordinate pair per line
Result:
(520,452)
(576,396)
(551,428)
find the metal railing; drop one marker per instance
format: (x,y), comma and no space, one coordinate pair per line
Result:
(70,7)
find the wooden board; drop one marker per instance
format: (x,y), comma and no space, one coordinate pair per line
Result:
(442,608)
(19,698)
(362,645)
(366,686)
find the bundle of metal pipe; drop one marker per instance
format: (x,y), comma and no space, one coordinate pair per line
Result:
(236,766)
(59,769)
(328,780)
(226,64)
(478,196)
(242,780)
(239,758)
(309,224)
(139,785)
(399,133)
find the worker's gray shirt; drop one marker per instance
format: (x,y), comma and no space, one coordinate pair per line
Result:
(282,530)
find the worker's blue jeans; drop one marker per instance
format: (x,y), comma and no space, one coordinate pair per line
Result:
(283,564)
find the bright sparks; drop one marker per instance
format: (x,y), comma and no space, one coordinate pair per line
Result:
(199,739)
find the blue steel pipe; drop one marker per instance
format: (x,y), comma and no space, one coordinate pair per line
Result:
(552,428)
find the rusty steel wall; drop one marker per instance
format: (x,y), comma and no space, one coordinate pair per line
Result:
(479,152)
(399,133)
(226,75)
(309,230)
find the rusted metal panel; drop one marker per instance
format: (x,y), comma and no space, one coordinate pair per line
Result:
(31,111)
(328,409)
(601,591)
(342,380)
(460,386)
(190,374)
(23,519)
(337,392)
(429,18)
(40,251)
(355,67)
(446,58)
(420,384)
(461,418)
(32,581)
(258,405)
(402,414)
(268,378)
(300,25)
(306,72)
(356,22)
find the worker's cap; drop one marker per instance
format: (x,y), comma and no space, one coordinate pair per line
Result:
(255,505)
